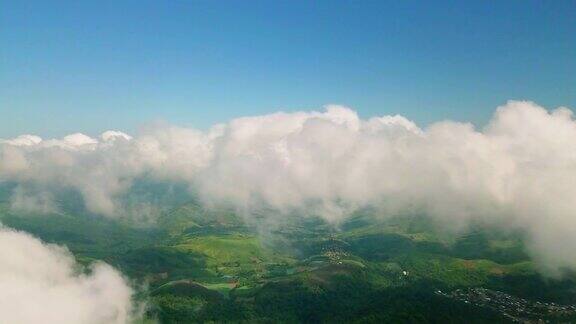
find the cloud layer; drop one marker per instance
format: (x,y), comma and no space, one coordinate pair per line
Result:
(519,171)
(40,283)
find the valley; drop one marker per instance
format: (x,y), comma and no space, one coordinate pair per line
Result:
(199,265)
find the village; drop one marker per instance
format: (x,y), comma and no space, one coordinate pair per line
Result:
(516,309)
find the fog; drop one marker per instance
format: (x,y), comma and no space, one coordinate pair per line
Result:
(518,172)
(42,283)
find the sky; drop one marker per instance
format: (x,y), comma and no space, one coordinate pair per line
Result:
(91,66)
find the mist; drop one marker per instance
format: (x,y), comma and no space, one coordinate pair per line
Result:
(517,172)
(42,283)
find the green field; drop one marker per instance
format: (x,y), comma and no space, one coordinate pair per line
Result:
(208,266)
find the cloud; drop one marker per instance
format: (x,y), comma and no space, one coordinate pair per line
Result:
(41,283)
(23,140)
(110,136)
(32,202)
(517,172)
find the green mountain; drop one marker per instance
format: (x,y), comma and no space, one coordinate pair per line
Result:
(203,265)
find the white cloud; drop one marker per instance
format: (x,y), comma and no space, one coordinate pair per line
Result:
(32,202)
(23,140)
(41,283)
(518,171)
(114,135)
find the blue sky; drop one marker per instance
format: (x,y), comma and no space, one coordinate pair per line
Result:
(89,66)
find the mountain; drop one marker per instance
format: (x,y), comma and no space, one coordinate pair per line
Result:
(202,265)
